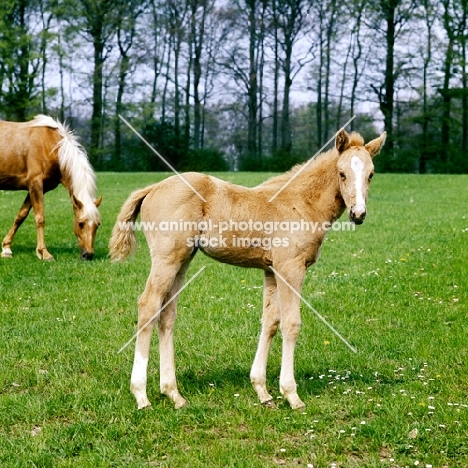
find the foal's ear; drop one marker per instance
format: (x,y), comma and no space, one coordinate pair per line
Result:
(76,203)
(374,146)
(98,202)
(342,141)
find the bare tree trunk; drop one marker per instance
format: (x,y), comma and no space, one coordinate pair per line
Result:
(260,68)
(387,103)
(429,22)
(330,33)
(357,54)
(24,77)
(253,81)
(43,51)
(276,71)
(125,37)
(158,55)
(96,117)
(464,79)
(61,74)
(319,80)
(446,101)
(197,43)
(286,143)
(342,87)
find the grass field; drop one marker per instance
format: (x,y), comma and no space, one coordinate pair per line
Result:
(395,288)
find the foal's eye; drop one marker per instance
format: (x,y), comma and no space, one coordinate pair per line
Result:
(342,175)
(81,225)
(371,175)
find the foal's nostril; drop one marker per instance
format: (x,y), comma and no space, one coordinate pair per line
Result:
(358,214)
(87,256)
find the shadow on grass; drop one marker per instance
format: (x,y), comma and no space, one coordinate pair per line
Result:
(68,252)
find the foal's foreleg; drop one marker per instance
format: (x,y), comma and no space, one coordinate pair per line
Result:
(20,217)
(270,320)
(289,306)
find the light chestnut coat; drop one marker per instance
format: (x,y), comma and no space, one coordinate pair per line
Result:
(262,218)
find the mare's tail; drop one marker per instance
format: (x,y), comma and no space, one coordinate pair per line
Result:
(123,240)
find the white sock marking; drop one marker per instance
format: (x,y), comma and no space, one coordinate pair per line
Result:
(140,365)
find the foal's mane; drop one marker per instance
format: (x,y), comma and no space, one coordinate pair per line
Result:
(318,165)
(74,164)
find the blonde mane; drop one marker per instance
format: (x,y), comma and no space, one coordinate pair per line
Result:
(315,165)
(74,164)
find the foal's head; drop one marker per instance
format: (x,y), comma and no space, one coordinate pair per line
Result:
(355,171)
(87,221)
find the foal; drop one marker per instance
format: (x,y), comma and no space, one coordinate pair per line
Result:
(321,190)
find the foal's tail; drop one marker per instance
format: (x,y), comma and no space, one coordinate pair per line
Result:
(123,240)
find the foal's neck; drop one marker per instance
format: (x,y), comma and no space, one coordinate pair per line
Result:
(318,186)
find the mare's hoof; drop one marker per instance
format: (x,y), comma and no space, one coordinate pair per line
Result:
(44,255)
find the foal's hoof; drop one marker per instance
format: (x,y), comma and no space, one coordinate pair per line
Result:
(269,404)
(298,405)
(181,404)
(145,406)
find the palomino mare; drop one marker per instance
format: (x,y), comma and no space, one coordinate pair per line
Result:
(36,156)
(321,190)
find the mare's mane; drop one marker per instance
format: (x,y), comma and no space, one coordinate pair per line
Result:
(74,164)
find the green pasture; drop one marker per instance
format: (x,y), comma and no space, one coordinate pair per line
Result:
(395,288)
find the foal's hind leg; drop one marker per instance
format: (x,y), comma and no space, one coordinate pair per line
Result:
(158,286)
(270,320)
(20,217)
(168,382)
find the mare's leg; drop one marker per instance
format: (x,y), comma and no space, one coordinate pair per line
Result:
(158,286)
(37,198)
(20,217)
(289,302)
(168,382)
(270,321)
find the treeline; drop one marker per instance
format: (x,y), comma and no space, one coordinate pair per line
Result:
(242,84)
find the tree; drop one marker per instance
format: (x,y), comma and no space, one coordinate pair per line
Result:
(391,18)
(290,25)
(19,59)
(243,62)
(126,31)
(95,21)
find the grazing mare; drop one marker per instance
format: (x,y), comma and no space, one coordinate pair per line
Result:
(277,237)
(36,156)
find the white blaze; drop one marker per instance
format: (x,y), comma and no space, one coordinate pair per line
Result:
(358,169)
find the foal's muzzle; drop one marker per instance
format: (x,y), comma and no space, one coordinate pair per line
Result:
(357,214)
